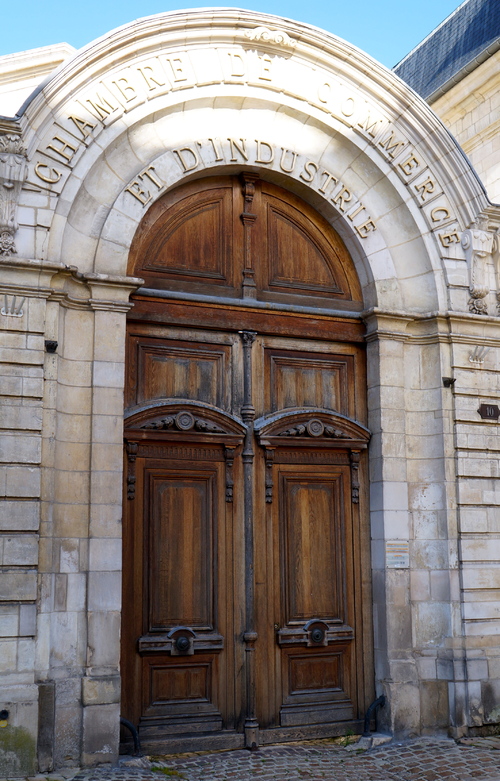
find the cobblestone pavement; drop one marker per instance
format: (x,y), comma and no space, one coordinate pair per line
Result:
(422,759)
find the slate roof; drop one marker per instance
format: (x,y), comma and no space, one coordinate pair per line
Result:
(465,39)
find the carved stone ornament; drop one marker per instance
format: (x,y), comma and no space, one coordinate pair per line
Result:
(496,261)
(13,170)
(264,34)
(13,306)
(477,243)
(479,353)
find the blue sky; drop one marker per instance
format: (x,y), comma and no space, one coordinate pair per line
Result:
(386,29)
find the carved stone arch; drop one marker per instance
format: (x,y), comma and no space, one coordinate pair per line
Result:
(402,250)
(406,158)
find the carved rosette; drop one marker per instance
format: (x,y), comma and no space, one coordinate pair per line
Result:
(477,243)
(13,170)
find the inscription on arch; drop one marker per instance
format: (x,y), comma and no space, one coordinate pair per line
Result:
(147,185)
(254,63)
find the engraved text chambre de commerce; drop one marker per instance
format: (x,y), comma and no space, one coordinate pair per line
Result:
(106,99)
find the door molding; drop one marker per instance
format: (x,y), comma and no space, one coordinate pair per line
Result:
(187,417)
(307,425)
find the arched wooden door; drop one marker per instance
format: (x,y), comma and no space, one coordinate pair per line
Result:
(246,600)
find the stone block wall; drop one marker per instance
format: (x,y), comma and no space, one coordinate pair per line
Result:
(478,497)
(22,355)
(80,534)
(416,596)
(61,369)
(435,520)
(471,110)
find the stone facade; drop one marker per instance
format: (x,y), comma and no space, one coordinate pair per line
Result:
(470,110)
(22,73)
(176,97)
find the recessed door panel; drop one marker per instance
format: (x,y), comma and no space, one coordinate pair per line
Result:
(312,519)
(180,682)
(315,610)
(181,560)
(178,369)
(296,259)
(313,673)
(299,379)
(188,238)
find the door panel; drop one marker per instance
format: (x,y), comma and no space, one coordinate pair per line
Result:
(179,543)
(296,261)
(182,372)
(190,237)
(312,520)
(305,379)
(167,368)
(246,611)
(300,255)
(315,688)
(316,637)
(181,510)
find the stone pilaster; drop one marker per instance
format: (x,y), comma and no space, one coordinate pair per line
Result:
(79,623)
(413,526)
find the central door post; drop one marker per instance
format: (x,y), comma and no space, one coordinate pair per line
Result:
(250,635)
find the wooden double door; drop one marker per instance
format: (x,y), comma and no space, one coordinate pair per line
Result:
(246,579)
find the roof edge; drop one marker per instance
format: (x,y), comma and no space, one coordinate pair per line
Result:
(429,35)
(463,72)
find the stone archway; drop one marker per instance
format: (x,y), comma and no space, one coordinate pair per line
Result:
(108,136)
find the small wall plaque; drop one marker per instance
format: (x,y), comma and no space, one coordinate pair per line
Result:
(397,554)
(489,411)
